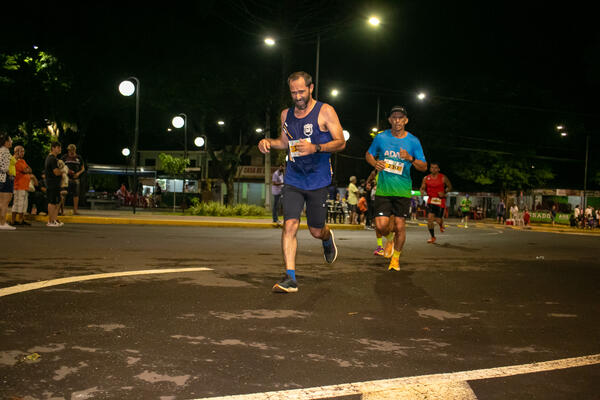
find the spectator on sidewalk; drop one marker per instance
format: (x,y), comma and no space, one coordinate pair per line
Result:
(353,193)
(6,179)
(53,184)
(500,212)
(362,208)
(553,214)
(64,185)
(21,188)
(276,188)
(76,167)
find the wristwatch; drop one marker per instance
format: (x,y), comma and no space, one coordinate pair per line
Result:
(318,148)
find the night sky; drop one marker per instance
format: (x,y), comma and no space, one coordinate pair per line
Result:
(497,74)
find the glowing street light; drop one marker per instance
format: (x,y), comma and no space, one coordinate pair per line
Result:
(269,41)
(346,135)
(259,130)
(199,141)
(335,92)
(127,88)
(421,96)
(221,123)
(374,21)
(125,152)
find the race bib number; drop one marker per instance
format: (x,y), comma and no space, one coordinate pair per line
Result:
(293,151)
(395,167)
(436,201)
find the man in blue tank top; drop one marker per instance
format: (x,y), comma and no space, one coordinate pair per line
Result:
(310,132)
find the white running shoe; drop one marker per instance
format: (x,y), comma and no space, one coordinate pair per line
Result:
(7,227)
(54,224)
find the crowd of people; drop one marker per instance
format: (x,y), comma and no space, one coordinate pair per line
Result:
(32,195)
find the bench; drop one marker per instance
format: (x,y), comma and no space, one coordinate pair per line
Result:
(96,204)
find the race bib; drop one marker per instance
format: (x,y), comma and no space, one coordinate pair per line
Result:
(395,167)
(436,201)
(293,151)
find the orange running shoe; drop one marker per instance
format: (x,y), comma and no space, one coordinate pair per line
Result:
(432,240)
(389,248)
(394,264)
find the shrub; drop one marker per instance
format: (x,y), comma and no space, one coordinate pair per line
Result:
(217,209)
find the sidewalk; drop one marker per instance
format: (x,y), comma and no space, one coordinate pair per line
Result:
(168,217)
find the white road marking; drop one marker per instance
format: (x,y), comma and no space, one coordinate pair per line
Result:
(61,281)
(451,385)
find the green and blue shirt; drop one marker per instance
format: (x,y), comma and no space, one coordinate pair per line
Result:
(395,179)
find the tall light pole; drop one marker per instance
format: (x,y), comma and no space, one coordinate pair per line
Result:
(563,133)
(202,141)
(180,121)
(127,88)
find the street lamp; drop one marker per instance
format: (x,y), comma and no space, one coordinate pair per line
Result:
(126,152)
(374,21)
(563,133)
(128,88)
(180,121)
(335,92)
(269,41)
(421,96)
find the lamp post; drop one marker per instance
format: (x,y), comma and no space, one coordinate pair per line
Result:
(180,121)
(563,133)
(127,88)
(202,141)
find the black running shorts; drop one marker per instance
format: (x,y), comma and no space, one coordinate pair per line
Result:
(388,205)
(294,199)
(437,211)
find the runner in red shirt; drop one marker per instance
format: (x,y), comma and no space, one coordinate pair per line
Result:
(436,185)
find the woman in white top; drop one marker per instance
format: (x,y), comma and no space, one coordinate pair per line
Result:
(6,180)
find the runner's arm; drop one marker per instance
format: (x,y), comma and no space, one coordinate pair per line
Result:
(423,186)
(280,143)
(379,165)
(332,123)
(448,184)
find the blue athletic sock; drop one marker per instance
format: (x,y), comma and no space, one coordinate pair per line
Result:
(291,273)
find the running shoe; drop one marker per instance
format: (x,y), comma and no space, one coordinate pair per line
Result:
(286,285)
(389,247)
(330,251)
(432,240)
(7,227)
(378,251)
(394,264)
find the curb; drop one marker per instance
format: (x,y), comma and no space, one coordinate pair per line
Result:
(179,222)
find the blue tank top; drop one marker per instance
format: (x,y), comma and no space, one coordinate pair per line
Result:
(314,170)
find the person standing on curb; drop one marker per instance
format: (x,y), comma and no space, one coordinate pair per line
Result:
(276,187)
(53,183)
(6,179)
(21,188)
(75,164)
(310,131)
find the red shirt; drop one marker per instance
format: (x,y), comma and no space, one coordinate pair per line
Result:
(433,186)
(21,179)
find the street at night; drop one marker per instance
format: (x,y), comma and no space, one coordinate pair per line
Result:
(480,300)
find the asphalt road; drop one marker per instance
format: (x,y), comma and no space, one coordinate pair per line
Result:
(478,300)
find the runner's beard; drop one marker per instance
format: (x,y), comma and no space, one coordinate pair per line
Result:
(302,103)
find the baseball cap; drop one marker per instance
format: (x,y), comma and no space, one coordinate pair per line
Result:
(398,109)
